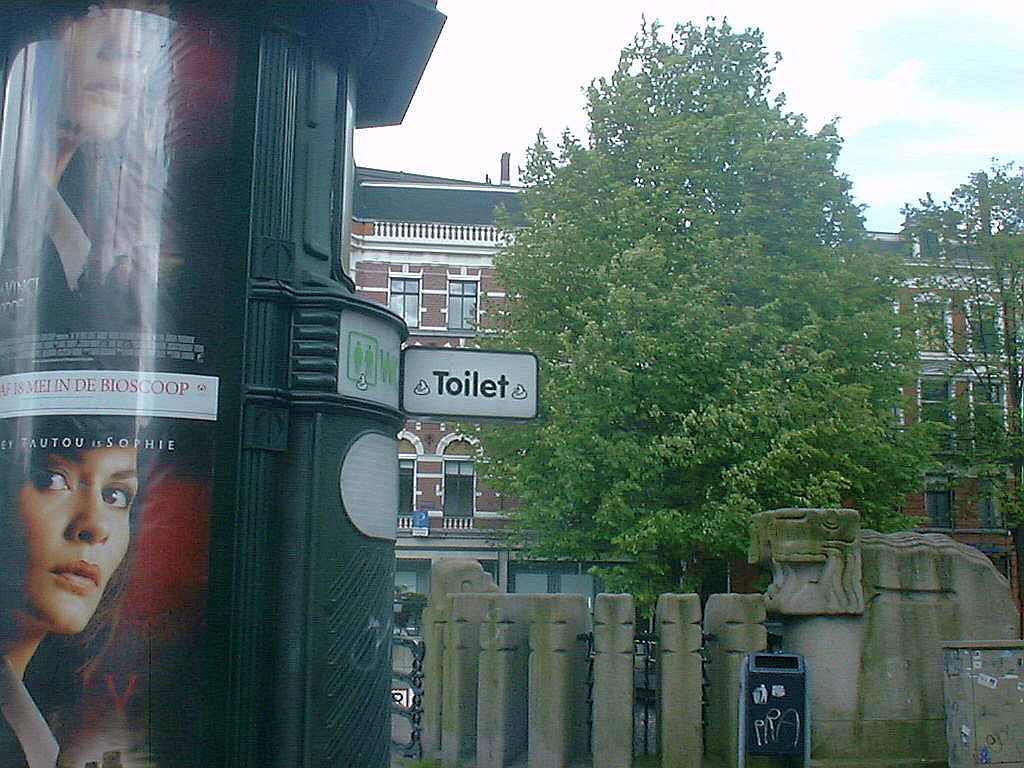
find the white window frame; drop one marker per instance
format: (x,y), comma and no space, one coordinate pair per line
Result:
(950,396)
(468,461)
(947,322)
(975,385)
(415,465)
(408,277)
(448,302)
(969,308)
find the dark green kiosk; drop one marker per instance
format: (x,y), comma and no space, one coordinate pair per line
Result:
(197,415)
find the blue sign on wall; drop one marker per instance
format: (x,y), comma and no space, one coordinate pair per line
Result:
(420,522)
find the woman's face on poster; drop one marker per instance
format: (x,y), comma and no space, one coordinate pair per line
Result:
(105,54)
(75,514)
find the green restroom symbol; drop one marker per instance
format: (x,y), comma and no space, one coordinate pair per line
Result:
(363,353)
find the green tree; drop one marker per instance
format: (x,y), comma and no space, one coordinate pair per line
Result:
(971,257)
(713,342)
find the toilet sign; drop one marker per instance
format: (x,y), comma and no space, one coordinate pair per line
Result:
(469,383)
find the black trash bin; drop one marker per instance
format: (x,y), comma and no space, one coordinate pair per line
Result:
(774,715)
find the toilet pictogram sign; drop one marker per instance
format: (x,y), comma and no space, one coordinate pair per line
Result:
(469,383)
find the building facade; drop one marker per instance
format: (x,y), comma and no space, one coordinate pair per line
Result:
(965,387)
(424,246)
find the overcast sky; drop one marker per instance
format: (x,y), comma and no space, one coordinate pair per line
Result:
(926,91)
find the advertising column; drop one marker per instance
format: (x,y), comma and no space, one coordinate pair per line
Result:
(115,136)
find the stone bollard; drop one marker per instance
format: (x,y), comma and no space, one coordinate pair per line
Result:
(459,698)
(735,627)
(502,692)
(680,639)
(435,629)
(447,577)
(612,728)
(557,720)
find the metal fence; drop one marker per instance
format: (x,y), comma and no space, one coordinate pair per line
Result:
(588,639)
(645,692)
(407,696)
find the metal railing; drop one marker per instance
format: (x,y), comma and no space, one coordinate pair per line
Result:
(588,638)
(407,699)
(645,692)
(449,233)
(447,524)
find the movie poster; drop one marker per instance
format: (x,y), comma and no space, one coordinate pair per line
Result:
(115,136)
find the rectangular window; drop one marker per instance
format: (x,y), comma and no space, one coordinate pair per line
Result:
(405,581)
(458,488)
(577,584)
(406,480)
(988,416)
(990,393)
(936,404)
(988,505)
(932,333)
(928,243)
(405,300)
(462,305)
(531,583)
(938,504)
(983,328)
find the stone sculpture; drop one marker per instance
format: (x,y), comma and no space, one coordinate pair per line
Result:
(869,611)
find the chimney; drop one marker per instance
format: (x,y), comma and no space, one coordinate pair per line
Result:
(506,178)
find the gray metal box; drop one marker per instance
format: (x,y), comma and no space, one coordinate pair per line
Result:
(983,686)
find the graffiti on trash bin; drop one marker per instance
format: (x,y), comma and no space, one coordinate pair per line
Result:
(778,728)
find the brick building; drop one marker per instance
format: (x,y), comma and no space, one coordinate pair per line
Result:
(424,246)
(962,384)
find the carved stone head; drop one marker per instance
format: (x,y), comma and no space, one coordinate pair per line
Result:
(815,560)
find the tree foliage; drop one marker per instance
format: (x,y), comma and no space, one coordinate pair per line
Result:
(713,342)
(971,254)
